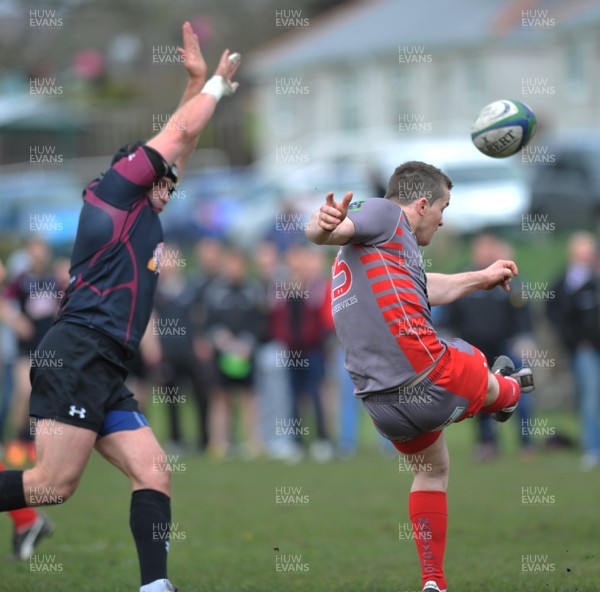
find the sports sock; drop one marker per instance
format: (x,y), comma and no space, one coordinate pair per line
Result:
(150,522)
(509,393)
(23,518)
(12,495)
(428,512)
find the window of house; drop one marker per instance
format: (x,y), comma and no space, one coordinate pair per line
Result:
(576,61)
(349,100)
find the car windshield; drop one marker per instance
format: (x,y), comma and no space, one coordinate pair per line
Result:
(463,174)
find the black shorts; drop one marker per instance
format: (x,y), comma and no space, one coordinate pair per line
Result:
(136,367)
(78,376)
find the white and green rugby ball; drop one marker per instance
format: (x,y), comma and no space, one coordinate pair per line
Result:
(503,127)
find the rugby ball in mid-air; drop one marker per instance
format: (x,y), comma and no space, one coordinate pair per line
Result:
(503,127)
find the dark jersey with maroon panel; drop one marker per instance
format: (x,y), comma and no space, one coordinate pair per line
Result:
(380,305)
(117,253)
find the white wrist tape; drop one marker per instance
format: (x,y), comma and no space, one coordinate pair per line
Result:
(218,87)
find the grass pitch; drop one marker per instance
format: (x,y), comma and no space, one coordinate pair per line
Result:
(530,526)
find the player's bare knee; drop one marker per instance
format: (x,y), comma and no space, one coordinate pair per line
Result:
(431,471)
(65,490)
(65,486)
(42,489)
(155,475)
(162,481)
(435,479)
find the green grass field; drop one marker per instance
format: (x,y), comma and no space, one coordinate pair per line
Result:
(345,534)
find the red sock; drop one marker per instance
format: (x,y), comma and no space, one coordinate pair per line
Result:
(509,394)
(428,512)
(24,517)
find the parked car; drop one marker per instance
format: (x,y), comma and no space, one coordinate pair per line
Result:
(232,204)
(41,202)
(565,189)
(487,192)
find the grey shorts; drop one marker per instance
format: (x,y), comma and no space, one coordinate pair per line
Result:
(433,404)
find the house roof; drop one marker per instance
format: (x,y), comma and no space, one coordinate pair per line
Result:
(379,27)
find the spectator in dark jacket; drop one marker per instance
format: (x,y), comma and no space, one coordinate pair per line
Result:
(36,293)
(177,315)
(506,327)
(235,324)
(575,312)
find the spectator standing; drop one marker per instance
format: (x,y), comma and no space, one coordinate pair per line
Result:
(271,381)
(233,306)
(37,293)
(507,325)
(302,322)
(575,312)
(175,316)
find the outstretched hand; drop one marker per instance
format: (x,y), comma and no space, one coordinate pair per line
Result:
(331,213)
(192,56)
(228,65)
(499,273)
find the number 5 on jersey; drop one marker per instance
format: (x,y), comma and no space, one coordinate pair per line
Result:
(339,268)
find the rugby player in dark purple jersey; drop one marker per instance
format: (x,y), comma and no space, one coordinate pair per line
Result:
(412,383)
(78,370)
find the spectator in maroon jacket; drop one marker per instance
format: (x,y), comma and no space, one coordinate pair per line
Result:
(300,323)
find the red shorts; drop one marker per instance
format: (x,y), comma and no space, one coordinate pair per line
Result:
(456,387)
(466,375)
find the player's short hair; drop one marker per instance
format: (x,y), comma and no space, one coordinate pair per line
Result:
(413,180)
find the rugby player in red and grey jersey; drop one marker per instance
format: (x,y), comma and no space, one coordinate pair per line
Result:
(78,371)
(412,383)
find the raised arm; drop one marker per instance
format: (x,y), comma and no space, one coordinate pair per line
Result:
(177,140)
(196,69)
(329,224)
(443,288)
(193,62)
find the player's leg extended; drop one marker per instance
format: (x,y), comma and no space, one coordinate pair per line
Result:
(30,527)
(62,452)
(505,385)
(428,510)
(139,455)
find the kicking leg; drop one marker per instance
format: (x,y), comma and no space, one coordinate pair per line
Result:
(505,385)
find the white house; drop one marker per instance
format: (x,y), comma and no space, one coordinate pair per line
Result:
(395,69)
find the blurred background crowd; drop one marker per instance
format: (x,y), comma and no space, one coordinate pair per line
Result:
(242,338)
(244,342)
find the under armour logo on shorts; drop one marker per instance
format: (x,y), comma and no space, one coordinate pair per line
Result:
(74,411)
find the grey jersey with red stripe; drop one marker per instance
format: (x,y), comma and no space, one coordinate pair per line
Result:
(117,253)
(379,300)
